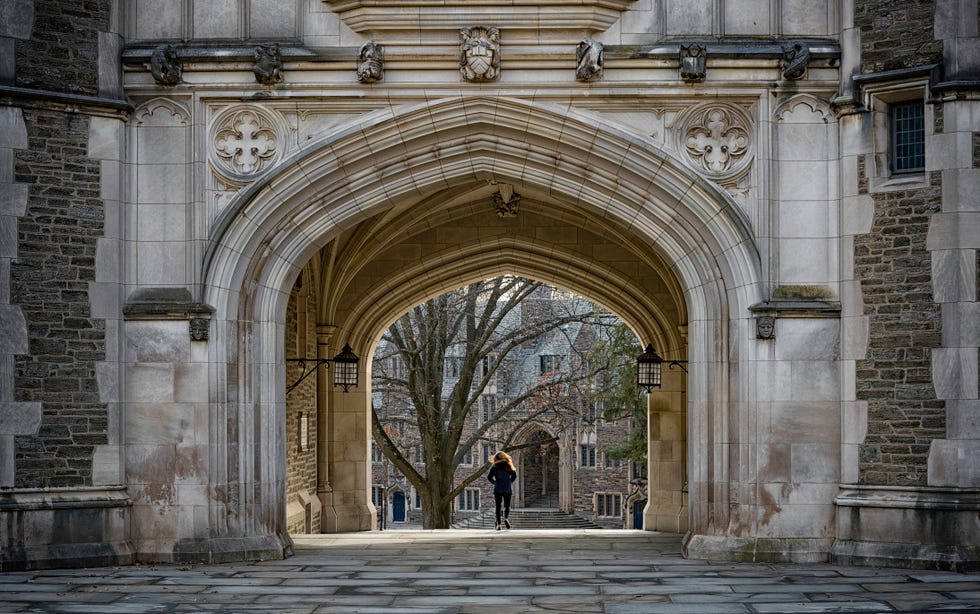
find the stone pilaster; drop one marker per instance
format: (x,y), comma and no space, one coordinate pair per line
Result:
(328,515)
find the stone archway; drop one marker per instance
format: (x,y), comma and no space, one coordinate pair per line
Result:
(658,245)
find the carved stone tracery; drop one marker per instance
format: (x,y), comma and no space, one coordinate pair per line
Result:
(716,141)
(245,143)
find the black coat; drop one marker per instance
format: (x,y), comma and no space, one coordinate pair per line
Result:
(499,475)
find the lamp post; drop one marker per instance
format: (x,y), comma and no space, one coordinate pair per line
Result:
(649,368)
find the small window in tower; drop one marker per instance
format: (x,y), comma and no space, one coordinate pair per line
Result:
(908,137)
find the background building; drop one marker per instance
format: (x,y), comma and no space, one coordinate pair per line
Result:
(568,469)
(782,193)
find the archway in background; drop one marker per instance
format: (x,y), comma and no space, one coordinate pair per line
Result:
(615,219)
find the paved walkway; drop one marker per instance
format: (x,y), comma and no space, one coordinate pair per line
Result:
(487,572)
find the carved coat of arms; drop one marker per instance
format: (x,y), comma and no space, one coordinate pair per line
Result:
(479,53)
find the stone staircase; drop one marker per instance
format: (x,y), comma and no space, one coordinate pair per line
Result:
(528,518)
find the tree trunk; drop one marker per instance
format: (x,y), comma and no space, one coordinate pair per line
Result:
(436,516)
(436,505)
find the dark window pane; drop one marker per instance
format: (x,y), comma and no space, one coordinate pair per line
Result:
(908,137)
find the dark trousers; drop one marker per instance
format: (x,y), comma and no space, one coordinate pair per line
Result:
(497,498)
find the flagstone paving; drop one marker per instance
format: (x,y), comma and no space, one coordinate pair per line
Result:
(616,572)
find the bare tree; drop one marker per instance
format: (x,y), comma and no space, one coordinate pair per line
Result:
(471,331)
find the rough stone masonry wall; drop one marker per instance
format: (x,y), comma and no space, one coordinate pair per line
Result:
(63,51)
(49,280)
(896,34)
(56,243)
(300,463)
(904,415)
(895,378)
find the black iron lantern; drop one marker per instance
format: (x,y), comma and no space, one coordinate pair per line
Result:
(649,367)
(345,368)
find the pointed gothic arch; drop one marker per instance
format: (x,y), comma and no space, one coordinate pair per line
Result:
(634,192)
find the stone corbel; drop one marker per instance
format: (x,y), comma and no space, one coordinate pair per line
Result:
(165,65)
(795,60)
(588,58)
(268,64)
(371,63)
(693,61)
(794,302)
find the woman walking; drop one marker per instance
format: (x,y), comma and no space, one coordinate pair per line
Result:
(502,473)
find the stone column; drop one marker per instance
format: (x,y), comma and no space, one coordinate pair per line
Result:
(349,456)
(328,515)
(566,474)
(666,508)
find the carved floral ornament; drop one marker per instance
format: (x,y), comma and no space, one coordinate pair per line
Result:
(716,140)
(246,142)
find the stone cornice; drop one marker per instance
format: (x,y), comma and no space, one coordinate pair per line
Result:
(165,304)
(728,48)
(95,105)
(378,17)
(235,52)
(798,308)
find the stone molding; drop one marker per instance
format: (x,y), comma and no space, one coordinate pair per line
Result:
(164,304)
(907,526)
(22,96)
(381,16)
(797,308)
(43,522)
(908,497)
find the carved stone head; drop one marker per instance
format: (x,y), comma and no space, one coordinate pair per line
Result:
(165,65)
(268,64)
(588,56)
(199,328)
(795,60)
(693,59)
(371,63)
(765,327)
(479,53)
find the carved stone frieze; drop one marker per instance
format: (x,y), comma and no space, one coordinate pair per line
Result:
(715,139)
(245,142)
(479,54)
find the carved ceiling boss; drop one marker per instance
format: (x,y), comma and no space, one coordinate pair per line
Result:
(479,53)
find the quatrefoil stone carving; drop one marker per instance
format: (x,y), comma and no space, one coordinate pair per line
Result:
(246,142)
(717,141)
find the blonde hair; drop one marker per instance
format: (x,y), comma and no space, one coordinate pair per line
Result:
(502,456)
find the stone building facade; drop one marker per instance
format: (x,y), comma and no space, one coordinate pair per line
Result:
(560,455)
(782,193)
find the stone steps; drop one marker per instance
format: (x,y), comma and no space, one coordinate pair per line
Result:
(529,518)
